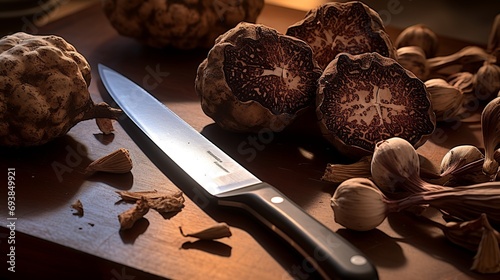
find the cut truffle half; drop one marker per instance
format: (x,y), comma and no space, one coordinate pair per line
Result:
(365,98)
(255,78)
(351,27)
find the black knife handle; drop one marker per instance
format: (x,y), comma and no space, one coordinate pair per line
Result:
(330,254)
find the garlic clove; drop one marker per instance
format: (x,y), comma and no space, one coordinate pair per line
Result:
(459,156)
(217,231)
(359,205)
(487,81)
(464,164)
(413,58)
(419,35)
(490,126)
(446,99)
(394,162)
(118,161)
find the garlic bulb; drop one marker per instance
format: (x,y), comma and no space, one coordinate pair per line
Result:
(463,163)
(459,156)
(395,166)
(490,126)
(413,58)
(359,205)
(421,36)
(447,100)
(487,81)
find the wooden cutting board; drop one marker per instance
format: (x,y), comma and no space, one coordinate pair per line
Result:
(52,242)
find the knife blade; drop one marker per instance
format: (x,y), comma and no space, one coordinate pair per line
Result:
(232,185)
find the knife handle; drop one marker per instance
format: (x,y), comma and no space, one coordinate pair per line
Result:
(330,254)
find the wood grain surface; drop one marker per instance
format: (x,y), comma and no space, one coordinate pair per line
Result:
(53,243)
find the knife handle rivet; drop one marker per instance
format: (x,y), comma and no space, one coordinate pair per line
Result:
(277,199)
(358,260)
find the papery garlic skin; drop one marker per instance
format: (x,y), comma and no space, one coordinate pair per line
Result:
(394,162)
(358,204)
(118,161)
(338,173)
(218,231)
(487,258)
(490,126)
(447,100)
(462,81)
(487,81)
(494,37)
(413,58)
(463,162)
(459,156)
(421,36)
(466,234)
(468,59)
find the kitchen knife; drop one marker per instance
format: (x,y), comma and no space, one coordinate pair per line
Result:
(232,185)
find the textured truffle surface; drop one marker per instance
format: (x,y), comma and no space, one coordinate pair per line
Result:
(182,24)
(365,98)
(43,88)
(350,27)
(255,78)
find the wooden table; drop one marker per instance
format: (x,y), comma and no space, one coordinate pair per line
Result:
(53,243)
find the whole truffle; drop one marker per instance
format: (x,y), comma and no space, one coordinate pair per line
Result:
(182,24)
(43,90)
(256,78)
(351,27)
(366,98)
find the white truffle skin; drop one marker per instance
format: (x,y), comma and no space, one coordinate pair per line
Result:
(43,88)
(185,24)
(287,85)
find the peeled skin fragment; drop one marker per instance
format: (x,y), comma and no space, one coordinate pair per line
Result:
(255,78)
(365,98)
(351,27)
(181,24)
(43,89)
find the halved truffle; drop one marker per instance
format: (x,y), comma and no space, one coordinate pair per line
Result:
(365,98)
(351,27)
(255,78)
